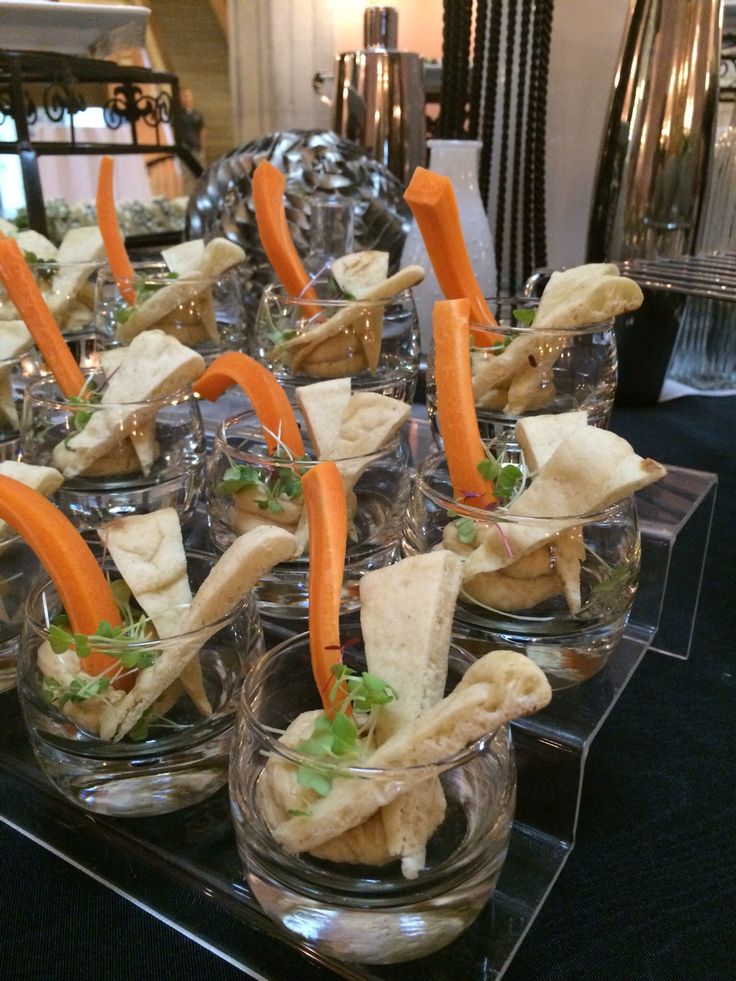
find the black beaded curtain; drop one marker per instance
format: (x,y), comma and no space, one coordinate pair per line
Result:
(495,69)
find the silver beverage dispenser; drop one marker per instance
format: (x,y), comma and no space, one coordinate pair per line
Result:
(378,99)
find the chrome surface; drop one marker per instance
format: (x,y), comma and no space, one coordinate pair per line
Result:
(659,133)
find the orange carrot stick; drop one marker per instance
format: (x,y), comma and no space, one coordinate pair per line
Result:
(269,400)
(324,498)
(268,201)
(464,448)
(432,200)
(107,220)
(25,294)
(80,582)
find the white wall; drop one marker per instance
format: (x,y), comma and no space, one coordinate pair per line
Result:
(586,38)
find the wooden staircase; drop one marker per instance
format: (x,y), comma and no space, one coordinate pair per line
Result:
(191,40)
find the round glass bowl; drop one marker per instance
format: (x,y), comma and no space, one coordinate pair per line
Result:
(177,755)
(14,373)
(528,371)
(19,567)
(376,498)
(373,342)
(69,291)
(157,461)
(564,602)
(203,314)
(351,910)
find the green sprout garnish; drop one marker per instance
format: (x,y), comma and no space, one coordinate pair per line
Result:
(89,396)
(505,477)
(465,528)
(144,289)
(49,270)
(113,641)
(273,482)
(342,737)
(525,315)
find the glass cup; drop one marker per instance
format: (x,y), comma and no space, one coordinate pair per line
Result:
(14,375)
(376,503)
(158,461)
(529,371)
(19,567)
(178,756)
(565,605)
(352,911)
(375,342)
(69,291)
(203,314)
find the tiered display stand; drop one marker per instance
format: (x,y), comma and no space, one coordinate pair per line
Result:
(184,869)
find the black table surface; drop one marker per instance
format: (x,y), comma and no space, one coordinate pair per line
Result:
(649,891)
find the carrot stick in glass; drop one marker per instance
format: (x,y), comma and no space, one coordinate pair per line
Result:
(80,582)
(23,290)
(324,499)
(464,448)
(269,400)
(107,219)
(431,198)
(268,200)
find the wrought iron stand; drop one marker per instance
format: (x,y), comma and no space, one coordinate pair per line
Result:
(64,86)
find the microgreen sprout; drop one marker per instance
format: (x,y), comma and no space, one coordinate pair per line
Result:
(144,289)
(81,406)
(273,482)
(119,642)
(524,315)
(348,732)
(48,268)
(465,528)
(505,477)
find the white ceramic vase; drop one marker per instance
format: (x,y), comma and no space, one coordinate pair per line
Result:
(458,160)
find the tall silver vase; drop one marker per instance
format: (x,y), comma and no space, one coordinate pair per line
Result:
(660,131)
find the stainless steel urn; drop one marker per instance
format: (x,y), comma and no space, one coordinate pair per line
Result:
(378,98)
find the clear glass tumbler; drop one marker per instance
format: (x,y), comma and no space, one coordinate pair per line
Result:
(204,314)
(14,375)
(356,911)
(377,496)
(373,342)
(19,568)
(531,371)
(157,461)
(178,756)
(564,601)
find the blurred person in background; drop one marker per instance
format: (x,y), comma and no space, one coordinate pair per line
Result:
(191,129)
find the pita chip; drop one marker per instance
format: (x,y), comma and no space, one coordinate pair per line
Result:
(215,258)
(149,553)
(236,572)
(322,406)
(406,618)
(500,686)
(44,480)
(155,365)
(539,436)
(589,471)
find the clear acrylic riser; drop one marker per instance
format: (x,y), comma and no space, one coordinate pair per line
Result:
(184,868)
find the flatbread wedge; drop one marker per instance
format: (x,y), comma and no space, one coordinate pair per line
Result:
(148,551)
(217,257)
(235,573)
(155,365)
(500,686)
(406,618)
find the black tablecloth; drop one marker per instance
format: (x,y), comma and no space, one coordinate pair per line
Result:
(649,891)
